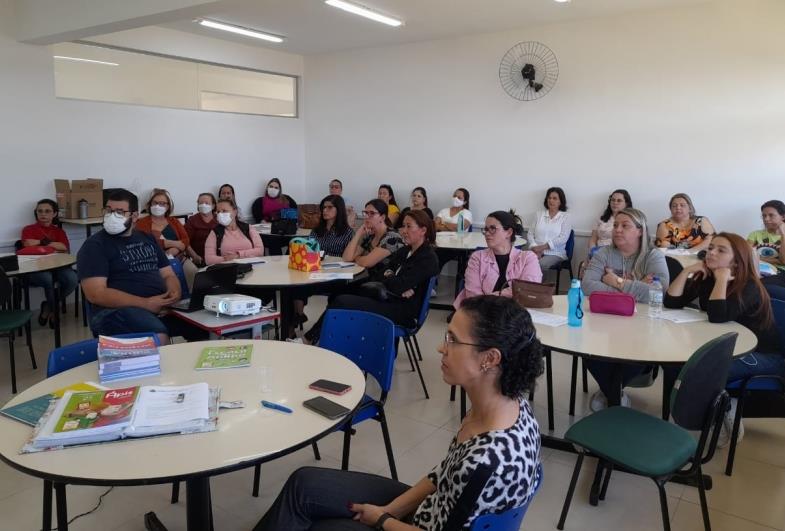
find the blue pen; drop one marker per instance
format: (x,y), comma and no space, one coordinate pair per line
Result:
(277,407)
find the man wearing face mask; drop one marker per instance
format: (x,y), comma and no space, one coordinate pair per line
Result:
(125,274)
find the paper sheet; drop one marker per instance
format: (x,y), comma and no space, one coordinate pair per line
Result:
(547,319)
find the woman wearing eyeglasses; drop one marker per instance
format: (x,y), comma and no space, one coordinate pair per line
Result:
(167,231)
(491,350)
(491,270)
(375,240)
(44,233)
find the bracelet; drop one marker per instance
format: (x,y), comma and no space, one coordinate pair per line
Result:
(380,522)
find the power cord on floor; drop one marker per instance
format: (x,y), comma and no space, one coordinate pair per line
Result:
(97,505)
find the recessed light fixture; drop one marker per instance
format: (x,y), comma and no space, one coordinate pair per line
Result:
(82,60)
(562,1)
(240,31)
(364,12)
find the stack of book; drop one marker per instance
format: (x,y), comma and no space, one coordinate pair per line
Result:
(121,359)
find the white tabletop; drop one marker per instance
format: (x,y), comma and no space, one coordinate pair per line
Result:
(45,262)
(467,240)
(636,338)
(244,435)
(275,273)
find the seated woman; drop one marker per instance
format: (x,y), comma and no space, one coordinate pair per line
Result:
(231,238)
(268,207)
(226,191)
(628,265)
(167,231)
(490,350)
(387,195)
(684,229)
(45,233)
(375,241)
(491,270)
(419,201)
(768,245)
(727,287)
(550,230)
(447,218)
(602,234)
(199,226)
(405,276)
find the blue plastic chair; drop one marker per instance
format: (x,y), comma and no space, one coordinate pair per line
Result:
(509,520)
(368,339)
(764,386)
(77,354)
(567,263)
(177,267)
(409,335)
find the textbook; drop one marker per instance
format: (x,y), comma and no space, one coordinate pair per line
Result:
(225,357)
(31,411)
(106,415)
(122,359)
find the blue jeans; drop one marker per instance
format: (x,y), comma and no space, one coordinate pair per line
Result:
(66,278)
(755,364)
(111,321)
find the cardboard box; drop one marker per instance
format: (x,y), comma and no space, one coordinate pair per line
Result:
(68,194)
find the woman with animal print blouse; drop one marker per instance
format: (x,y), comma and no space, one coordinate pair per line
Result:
(490,349)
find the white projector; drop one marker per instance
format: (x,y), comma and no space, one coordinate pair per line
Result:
(232,304)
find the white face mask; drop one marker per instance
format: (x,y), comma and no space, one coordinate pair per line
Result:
(157,210)
(224,218)
(205,208)
(457,202)
(115,224)
(273,192)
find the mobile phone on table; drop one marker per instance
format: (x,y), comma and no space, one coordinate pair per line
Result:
(328,386)
(326,408)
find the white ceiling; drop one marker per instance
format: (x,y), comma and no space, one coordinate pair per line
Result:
(312,27)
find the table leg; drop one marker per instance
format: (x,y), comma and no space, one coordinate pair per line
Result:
(616,372)
(286,312)
(62,507)
(668,381)
(56,315)
(256,331)
(197,499)
(88,230)
(46,525)
(549,387)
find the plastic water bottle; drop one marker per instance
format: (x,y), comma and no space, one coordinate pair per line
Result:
(655,298)
(575,304)
(459,229)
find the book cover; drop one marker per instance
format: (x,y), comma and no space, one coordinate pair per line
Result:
(31,411)
(120,358)
(225,357)
(96,409)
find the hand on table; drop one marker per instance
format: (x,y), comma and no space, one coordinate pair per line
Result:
(230,256)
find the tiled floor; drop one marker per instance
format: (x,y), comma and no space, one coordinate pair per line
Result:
(753,499)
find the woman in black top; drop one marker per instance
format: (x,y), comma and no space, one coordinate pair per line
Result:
(406,277)
(419,201)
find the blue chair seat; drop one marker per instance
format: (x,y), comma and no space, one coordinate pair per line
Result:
(368,409)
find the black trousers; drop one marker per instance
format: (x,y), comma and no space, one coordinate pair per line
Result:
(318,499)
(392,309)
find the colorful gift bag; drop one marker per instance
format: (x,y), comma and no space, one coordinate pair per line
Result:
(304,255)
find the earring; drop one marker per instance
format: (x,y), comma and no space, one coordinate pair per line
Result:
(484,367)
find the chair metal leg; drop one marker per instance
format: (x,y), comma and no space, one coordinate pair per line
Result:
(408,352)
(13,361)
(84,308)
(531,395)
(316,454)
(573,384)
(347,441)
(606,480)
(46,524)
(585,376)
(734,437)
(175,492)
(76,303)
(463,403)
(704,502)
(417,346)
(666,521)
(407,341)
(29,335)
(558,275)
(388,444)
(257,477)
(549,384)
(452,393)
(571,490)
(62,507)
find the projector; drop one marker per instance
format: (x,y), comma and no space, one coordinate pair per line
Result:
(232,304)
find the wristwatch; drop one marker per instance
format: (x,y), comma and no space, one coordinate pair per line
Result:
(620,282)
(380,522)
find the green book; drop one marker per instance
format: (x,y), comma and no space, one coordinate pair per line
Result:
(29,412)
(225,357)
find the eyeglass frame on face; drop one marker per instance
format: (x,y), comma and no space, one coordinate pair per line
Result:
(159,203)
(370,213)
(446,341)
(493,229)
(120,211)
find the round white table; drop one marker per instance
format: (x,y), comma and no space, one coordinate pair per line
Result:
(279,372)
(685,257)
(275,274)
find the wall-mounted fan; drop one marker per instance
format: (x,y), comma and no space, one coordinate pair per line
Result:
(528,71)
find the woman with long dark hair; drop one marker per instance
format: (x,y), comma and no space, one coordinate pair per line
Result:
(418,201)
(602,234)
(387,195)
(550,229)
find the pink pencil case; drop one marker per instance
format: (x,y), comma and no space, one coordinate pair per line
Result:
(612,303)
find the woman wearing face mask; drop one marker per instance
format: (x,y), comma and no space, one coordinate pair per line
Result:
(492,270)
(727,287)
(199,226)
(226,191)
(231,238)
(447,218)
(268,207)
(45,233)
(386,194)
(167,231)
(419,201)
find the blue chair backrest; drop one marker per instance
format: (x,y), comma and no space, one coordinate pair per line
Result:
(368,339)
(178,270)
(76,354)
(426,303)
(509,520)
(570,247)
(778,308)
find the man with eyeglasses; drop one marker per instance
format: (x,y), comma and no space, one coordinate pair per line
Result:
(125,275)
(336,188)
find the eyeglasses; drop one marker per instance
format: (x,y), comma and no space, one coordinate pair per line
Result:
(489,230)
(50,211)
(370,213)
(449,339)
(118,211)
(160,203)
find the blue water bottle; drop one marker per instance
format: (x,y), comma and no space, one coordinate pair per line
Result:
(459,226)
(575,304)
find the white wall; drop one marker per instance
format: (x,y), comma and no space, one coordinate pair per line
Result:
(42,137)
(682,100)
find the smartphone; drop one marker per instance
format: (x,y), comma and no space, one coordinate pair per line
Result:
(326,408)
(328,386)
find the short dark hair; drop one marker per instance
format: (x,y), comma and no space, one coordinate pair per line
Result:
(121,194)
(776,204)
(423,220)
(227,185)
(465,197)
(52,203)
(562,198)
(501,323)
(341,219)
(508,220)
(381,207)
(627,199)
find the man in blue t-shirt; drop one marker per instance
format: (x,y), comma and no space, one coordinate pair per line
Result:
(125,275)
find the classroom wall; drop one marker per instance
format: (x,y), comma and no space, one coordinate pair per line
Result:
(681,100)
(42,137)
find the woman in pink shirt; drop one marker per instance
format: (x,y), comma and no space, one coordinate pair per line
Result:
(231,238)
(491,270)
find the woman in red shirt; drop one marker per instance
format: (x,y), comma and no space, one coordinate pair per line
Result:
(45,233)
(200,225)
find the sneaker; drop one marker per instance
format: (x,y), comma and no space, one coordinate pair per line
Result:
(726,430)
(296,340)
(625,400)
(598,402)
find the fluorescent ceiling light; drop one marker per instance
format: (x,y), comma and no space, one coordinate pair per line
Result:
(81,60)
(561,1)
(364,12)
(240,31)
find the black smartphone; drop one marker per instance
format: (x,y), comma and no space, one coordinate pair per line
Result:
(328,386)
(326,408)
